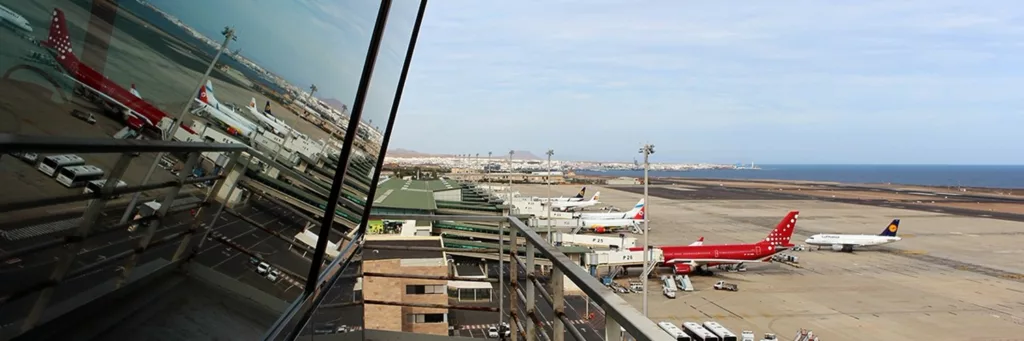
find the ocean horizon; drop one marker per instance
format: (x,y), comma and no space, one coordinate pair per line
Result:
(989,176)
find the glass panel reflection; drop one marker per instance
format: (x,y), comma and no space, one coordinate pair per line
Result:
(277,77)
(343,309)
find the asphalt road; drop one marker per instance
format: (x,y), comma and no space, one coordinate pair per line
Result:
(727,193)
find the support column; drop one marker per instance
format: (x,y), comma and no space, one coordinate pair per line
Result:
(165,205)
(196,223)
(557,291)
(225,193)
(531,295)
(611,329)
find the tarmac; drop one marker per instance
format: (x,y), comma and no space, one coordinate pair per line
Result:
(952,277)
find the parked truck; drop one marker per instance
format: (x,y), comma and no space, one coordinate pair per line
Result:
(723,285)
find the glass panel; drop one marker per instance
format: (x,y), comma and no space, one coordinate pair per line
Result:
(364,163)
(282,79)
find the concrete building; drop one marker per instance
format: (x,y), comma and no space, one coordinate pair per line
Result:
(405,290)
(504,177)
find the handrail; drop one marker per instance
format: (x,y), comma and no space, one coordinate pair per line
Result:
(65,144)
(616,308)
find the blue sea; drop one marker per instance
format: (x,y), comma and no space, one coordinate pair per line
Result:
(927,175)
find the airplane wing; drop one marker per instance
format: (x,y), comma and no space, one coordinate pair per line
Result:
(133,121)
(111,99)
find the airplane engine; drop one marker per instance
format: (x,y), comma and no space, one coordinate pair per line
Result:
(843,248)
(682,268)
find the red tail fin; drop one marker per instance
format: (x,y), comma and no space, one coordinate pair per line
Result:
(640,214)
(203,96)
(783,231)
(59,39)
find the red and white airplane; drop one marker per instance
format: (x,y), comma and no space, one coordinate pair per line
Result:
(137,112)
(697,258)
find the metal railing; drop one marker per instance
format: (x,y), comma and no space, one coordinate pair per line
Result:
(526,320)
(69,246)
(527,325)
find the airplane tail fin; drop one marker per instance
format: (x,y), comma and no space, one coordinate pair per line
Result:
(59,39)
(890,231)
(252,102)
(266,108)
(640,213)
(699,242)
(637,211)
(596,196)
(583,191)
(204,95)
(783,231)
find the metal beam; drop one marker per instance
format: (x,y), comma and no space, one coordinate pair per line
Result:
(67,144)
(440,278)
(409,304)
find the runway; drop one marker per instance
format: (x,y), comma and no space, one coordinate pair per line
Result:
(949,270)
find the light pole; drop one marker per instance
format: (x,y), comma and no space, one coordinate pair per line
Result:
(550,172)
(488,164)
(647,150)
(501,250)
(229,35)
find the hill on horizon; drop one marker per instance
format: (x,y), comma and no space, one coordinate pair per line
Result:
(336,104)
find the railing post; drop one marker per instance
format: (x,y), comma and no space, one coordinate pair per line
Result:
(165,205)
(212,193)
(67,259)
(557,291)
(220,209)
(531,294)
(513,275)
(612,332)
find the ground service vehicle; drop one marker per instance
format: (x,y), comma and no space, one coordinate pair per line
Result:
(722,285)
(53,163)
(97,185)
(720,331)
(76,176)
(671,329)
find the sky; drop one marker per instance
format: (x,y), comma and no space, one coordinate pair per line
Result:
(322,42)
(794,82)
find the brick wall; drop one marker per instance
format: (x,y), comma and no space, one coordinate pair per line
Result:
(395,318)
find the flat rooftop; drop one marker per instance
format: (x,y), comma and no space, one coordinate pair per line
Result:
(948,272)
(371,252)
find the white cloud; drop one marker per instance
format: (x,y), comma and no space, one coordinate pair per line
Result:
(798,66)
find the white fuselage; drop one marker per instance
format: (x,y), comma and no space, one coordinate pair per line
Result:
(606,216)
(227,116)
(609,222)
(14,19)
(278,127)
(564,205)
(860,240)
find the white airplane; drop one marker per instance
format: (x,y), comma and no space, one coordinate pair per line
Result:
(14,19)
(637,212)
(846,242)
(579,196)
(236,124)
(569,205)
(276,125)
